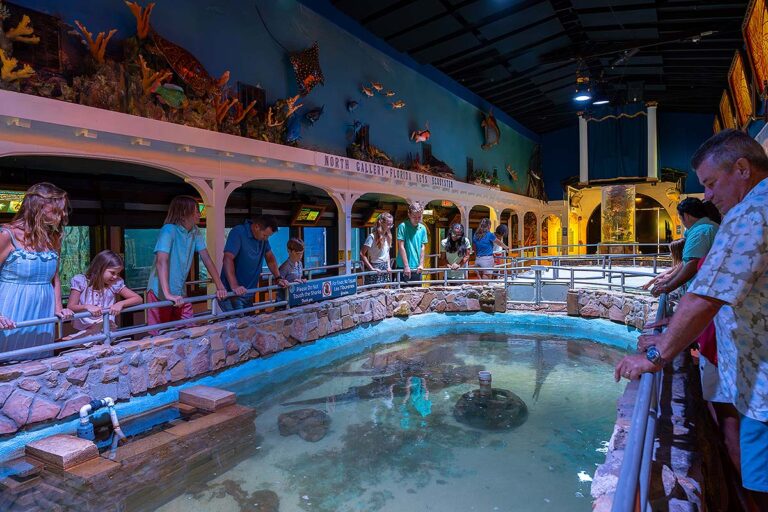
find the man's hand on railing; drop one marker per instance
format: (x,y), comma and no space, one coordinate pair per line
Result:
(65,313)
(282,283)
(240,290)
(6,323)
(176,299)
(221,293)
(631,367)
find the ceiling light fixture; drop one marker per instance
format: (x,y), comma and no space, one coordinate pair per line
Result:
(583,91)
(600,97)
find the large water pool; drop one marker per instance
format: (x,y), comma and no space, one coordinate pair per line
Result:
(393,443)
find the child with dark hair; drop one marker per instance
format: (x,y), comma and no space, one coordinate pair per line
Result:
(292,268)
(457,248)
(97,290)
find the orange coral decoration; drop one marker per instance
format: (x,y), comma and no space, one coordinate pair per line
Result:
(8,71)
(99,46)
(142,18)
(151,79)
(23,33)
(222,105)
(241,112)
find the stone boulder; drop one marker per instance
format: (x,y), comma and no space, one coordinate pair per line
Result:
(310,424)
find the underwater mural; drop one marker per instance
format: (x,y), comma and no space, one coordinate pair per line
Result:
(125,62)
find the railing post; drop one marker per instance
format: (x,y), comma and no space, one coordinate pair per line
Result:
(106,328)
(655,263)
(573,284)
(537,285)
(445,278)
(622,282)
(556,271)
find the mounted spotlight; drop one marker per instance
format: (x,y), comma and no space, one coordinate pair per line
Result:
(583,91)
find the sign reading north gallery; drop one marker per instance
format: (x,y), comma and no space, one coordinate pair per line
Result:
(381,171)
(321,289)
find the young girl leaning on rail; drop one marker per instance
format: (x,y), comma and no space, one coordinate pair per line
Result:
(175,249)
(29,261)
(97,291)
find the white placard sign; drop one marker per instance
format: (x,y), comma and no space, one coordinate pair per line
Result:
(381,171)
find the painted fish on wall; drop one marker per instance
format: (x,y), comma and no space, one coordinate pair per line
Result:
(421,135)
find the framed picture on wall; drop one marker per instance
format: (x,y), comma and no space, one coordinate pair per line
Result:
(726,111)
(741,91)
(755,29)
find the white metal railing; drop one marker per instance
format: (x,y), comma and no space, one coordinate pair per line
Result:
(635,475)
(508,274)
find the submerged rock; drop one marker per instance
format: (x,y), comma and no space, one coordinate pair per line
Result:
(500,411)
(310,424)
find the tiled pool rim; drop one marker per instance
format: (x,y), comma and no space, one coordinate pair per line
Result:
(303,357)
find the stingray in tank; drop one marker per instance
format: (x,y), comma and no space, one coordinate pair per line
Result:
(385,386)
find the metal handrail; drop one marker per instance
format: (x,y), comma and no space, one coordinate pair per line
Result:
(634,478)
(505,271)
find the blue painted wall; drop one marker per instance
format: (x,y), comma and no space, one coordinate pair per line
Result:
(229,36)
(680,134)
(560,159)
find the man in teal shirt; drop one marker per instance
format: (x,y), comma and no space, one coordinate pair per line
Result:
(700,221)
(411,238)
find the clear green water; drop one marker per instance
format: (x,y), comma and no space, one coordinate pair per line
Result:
(401,450)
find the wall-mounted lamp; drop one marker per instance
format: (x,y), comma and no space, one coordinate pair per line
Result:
(21,123)
(185,149)
(85,132)
(138,141)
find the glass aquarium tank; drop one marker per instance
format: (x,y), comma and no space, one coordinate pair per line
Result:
(618,214)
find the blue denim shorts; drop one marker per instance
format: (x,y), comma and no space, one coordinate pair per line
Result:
(754,454)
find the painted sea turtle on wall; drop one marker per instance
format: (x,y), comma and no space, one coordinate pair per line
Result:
(186,65)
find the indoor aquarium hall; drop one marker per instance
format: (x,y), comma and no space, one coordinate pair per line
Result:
(393,256)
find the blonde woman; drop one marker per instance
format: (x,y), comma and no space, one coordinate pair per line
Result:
(29,260)
(375,251)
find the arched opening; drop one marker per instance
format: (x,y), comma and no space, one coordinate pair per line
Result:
(302,211)
(551,229)
(653,225)
(365,212)
(530,231)
(116,205)
(509,219)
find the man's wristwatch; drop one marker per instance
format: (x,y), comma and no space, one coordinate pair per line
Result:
(654,356)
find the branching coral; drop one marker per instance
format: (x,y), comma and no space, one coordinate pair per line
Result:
(281,111)
(222,104)
(142,18)
(99,46)
(23,33)
(241,112)
(9,73)
(150,79)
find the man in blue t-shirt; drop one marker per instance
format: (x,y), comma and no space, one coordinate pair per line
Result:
(244,253)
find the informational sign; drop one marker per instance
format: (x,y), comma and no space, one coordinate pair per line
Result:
(307,215)
(321,289)
(10,201)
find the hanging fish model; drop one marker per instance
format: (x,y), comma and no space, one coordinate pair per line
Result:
(398,104)
(491,131)
(389,94)
(171,95)
(356,127)
(367,91)
(314,115)
(421,135)
(377,86)
(352,106)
